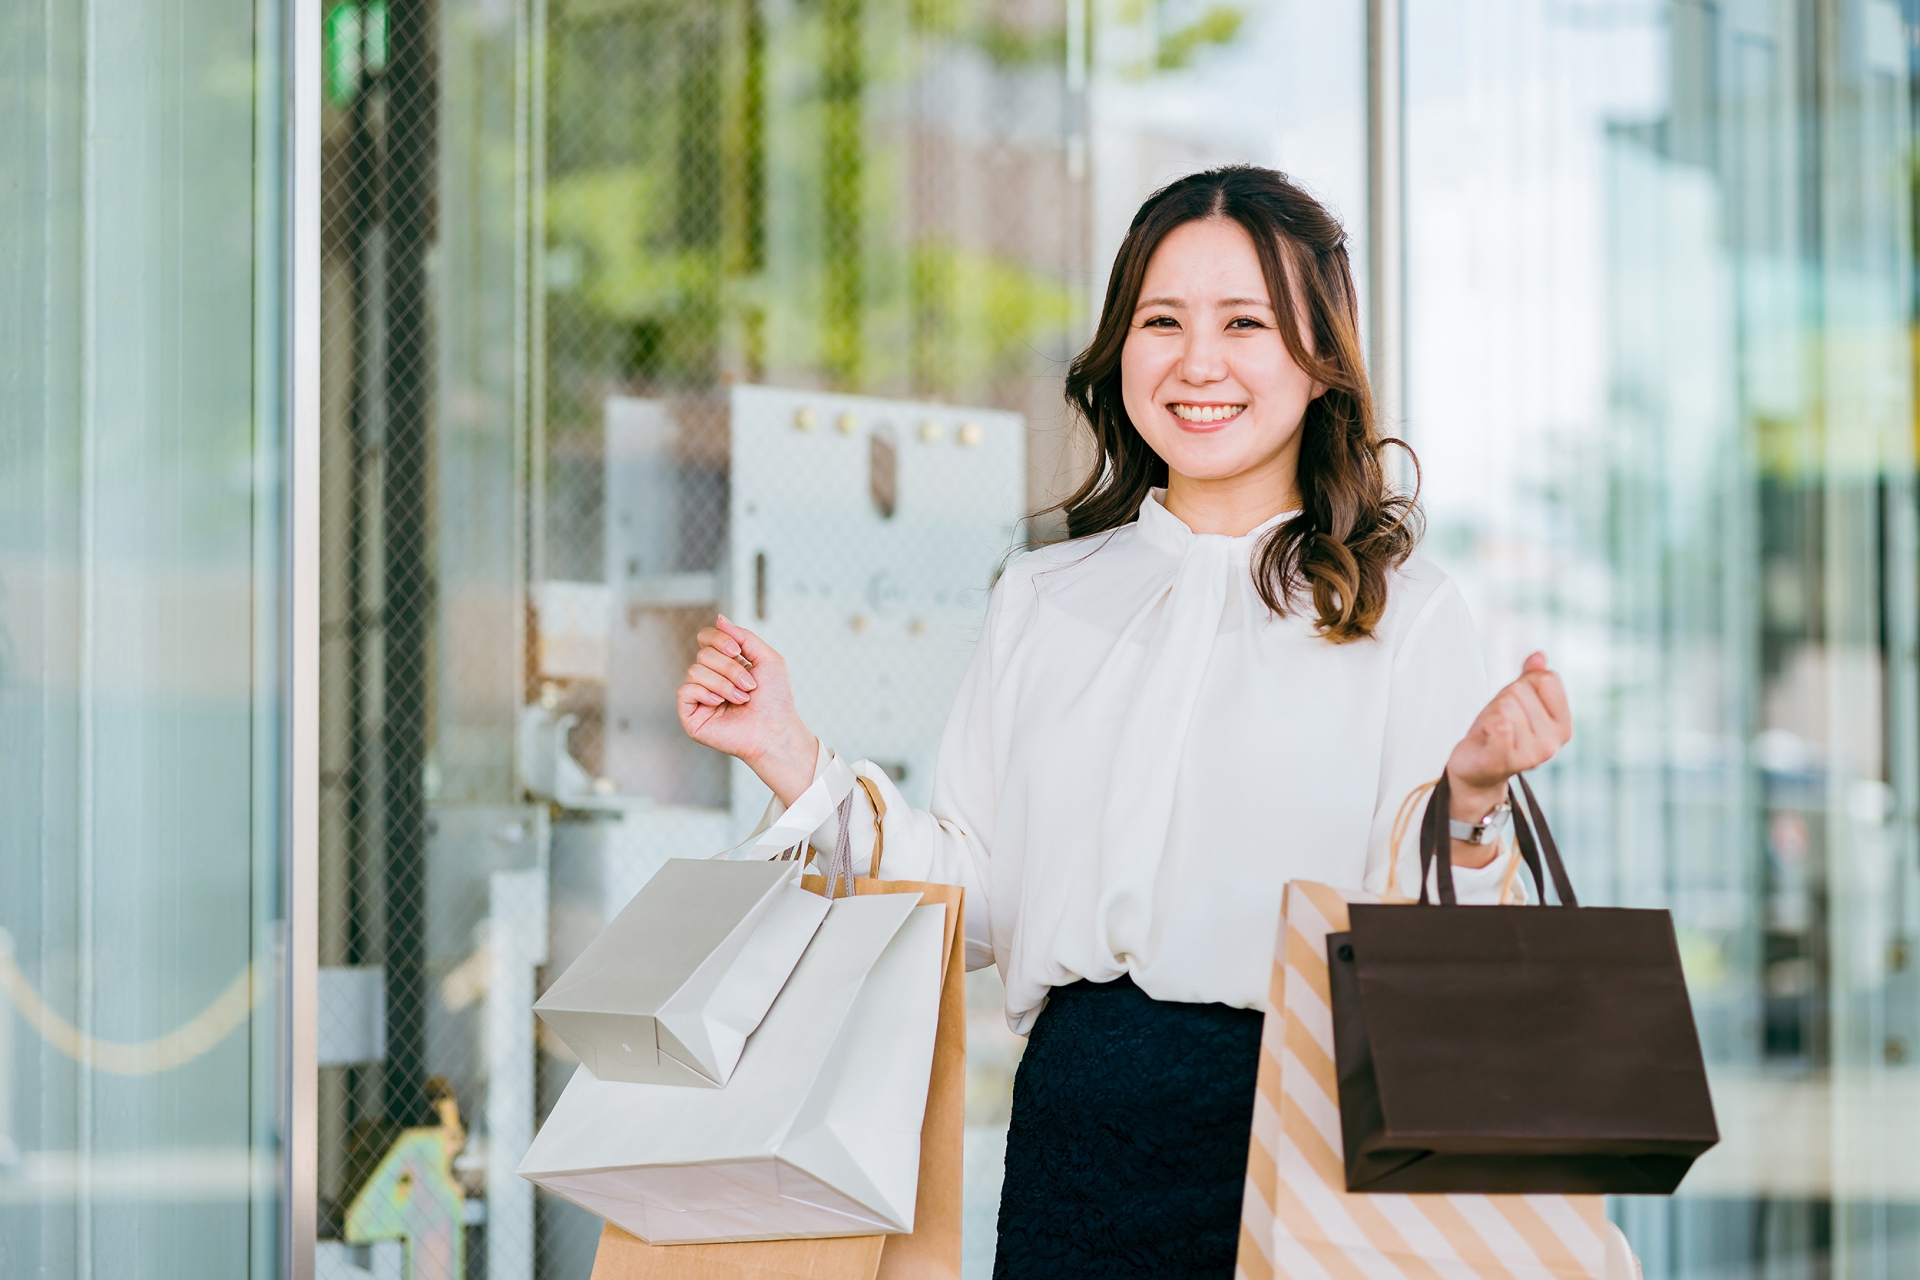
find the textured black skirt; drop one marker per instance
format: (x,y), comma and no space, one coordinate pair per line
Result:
(1127,1151)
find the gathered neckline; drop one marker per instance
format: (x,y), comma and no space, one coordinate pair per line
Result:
(1169,531)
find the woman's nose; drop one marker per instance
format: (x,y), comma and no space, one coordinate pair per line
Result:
(1202,361)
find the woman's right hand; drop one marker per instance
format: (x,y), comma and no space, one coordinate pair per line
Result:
(746,708)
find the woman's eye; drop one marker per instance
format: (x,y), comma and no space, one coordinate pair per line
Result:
(1159,322)
(1244,322)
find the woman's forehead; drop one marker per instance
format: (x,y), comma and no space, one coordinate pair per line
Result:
(1206,262)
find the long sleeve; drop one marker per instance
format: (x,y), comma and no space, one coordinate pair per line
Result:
(1439,685)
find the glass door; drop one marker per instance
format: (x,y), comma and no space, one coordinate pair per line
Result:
(141,598)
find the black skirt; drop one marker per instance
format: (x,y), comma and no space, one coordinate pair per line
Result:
(1127,1150)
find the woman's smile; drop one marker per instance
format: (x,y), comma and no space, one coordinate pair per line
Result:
(1205,417)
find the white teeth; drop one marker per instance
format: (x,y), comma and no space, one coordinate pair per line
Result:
(1205,412)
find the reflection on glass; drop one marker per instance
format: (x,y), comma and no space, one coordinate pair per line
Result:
(1658,324)
(141,1069)
(1661,377)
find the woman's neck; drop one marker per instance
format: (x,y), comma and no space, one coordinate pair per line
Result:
(1231,505)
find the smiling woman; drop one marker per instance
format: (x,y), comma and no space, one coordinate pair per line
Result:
(1192,331)
(1230,678)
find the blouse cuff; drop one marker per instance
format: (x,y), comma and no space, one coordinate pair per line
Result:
(838,778)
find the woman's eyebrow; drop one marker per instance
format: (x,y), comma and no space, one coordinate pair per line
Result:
(1180,303)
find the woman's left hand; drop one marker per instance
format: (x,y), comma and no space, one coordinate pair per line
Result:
(1519,730)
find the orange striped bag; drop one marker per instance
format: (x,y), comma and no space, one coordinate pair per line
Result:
(1299,1222)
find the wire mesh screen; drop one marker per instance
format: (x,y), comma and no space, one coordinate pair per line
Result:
(636,310)
(433,867)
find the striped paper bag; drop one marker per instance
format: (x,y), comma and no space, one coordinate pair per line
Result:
(1299,1221)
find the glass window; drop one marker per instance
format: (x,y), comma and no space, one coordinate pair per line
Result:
(640,309)
(1660,285)
(141,598)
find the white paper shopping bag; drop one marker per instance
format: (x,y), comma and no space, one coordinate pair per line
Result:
(673,986)
(818,1132)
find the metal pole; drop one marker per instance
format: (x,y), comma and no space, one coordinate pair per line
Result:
(302,889)
(407,588)
(1386,207)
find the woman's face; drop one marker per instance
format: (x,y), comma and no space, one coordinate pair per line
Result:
(1204,374)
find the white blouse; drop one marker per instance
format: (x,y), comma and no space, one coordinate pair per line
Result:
(1141,756)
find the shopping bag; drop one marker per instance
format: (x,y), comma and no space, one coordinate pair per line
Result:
(670,990)
(818,1132)
(1540,1049)
(932,1250)
(1299,1222)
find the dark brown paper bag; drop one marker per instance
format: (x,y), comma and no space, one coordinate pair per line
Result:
(1514,1049)
(933,1248)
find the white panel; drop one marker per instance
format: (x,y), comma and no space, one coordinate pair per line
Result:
(517,946)
(876,614)
(353,1016)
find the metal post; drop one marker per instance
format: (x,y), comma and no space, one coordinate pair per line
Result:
(302,889)
(407,589)
(516,947)
(1386,207)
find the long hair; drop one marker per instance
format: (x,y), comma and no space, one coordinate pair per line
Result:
(1353,529)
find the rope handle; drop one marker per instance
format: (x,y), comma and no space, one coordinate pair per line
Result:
(1400,822)
(879,805)
(841,862)
(1404,818)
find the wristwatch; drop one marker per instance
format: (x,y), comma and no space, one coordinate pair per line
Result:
(1485,831)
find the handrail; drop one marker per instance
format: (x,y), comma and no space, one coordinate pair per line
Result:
(178,1047)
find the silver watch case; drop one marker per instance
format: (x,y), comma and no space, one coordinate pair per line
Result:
(1485,831)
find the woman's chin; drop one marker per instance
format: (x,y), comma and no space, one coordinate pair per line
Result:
(1201,468)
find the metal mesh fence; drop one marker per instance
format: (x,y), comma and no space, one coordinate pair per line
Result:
(635,310)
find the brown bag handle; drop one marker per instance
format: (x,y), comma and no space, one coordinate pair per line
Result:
(1562,883)
(1436,845)
(872,789)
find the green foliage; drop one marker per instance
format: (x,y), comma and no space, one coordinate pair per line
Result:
(1219,25)
(720,200)
(1012,46)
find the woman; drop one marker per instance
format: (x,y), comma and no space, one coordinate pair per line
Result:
(1230,676)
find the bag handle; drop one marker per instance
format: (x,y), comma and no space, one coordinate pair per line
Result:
(1400,820)
(1436,845)
(841,863)
(872,789)
(1562,883)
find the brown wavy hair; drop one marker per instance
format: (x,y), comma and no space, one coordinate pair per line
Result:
(1353,529)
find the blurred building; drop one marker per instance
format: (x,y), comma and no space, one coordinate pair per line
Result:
(388,388)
